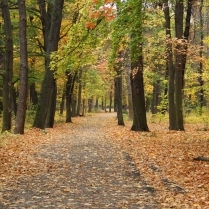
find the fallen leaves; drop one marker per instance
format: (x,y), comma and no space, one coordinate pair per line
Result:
(163,158)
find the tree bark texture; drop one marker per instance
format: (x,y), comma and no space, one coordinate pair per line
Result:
(137,86)
(52,106)
(8,68)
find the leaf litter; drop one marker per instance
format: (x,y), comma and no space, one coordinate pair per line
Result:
(93,163)
(71,166)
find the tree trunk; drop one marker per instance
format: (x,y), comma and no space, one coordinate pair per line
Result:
(155,97)
(137,86)
(171,69)
(14,100)
(79,92)
(23,88)
(62,104)
(33,94)
(51,39)
(105,104)
(179,8)
(200,69)
(119,98)
(102,103)
(52,106)
(115,95)
(73,105)
(84,107)
(8,68)
(1,102)
(97,103)
(128,81)
(110,104)
(90,104)
(181,56)
(69,93)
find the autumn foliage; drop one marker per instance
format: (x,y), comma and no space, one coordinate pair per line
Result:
(106,10)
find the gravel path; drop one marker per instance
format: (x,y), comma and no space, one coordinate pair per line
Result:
(82,170)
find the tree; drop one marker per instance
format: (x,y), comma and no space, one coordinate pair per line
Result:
(137,82)
(23,88)
(69,92)
(51,17)
(180,57)
(170,67)
(119,70)
(8,67)
(200,69)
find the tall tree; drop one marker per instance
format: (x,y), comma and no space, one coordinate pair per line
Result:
(170,67)
(179,14)
(8,67)
(69,95)
(51,17)
(181,56)
(137,80)
(23,87)
(200,69)
(119,86)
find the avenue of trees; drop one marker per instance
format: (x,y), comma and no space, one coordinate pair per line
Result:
(73,57)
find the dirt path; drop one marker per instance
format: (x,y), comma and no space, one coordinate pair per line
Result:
(82,170)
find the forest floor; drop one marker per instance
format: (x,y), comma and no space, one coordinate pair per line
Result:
(93,163)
